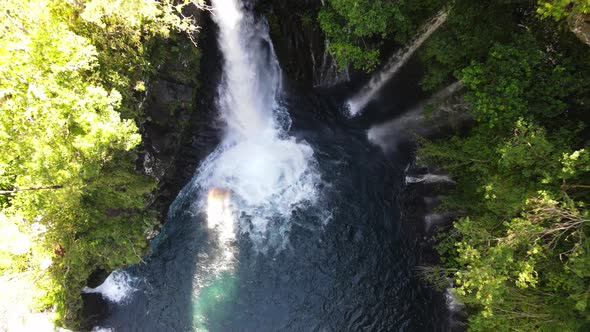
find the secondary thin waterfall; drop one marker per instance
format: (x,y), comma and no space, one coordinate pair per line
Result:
(387,135)
(368,92)
(267,173)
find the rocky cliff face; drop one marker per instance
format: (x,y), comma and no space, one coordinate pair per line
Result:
(180,127)
(580,25)
(179,130)
(300,43)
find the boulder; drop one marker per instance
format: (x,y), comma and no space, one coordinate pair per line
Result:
(579,24)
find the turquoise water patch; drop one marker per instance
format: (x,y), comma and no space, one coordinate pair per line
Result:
(213,301)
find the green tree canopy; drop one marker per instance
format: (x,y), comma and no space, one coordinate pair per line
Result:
(356,29)
(71,201)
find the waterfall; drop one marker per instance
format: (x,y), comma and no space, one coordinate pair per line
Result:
(247,94)
(266,173)
(429,178)
(356,104)
(387,135)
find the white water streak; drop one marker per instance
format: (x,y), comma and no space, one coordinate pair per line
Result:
(429,178)
(388,134)
(368,92)
(453,303)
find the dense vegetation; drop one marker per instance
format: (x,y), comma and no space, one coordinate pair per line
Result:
(519,258)
(357,29)
(72,76)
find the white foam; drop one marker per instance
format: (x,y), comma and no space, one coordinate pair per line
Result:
(116,288)
(267,172)
(102,329)
(452,301)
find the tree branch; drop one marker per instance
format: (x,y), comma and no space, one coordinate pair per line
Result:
(16,190)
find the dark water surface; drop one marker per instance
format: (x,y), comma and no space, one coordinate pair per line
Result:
(355,273)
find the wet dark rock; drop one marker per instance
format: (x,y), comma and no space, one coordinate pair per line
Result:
(300,43)
(94,309)
(421,203)
(579,24)
(179,128)
(177,133)
(97,278)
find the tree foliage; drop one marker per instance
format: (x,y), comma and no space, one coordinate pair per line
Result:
(523,79)
(518,258)
(355,29)
(71,202)
(561,9)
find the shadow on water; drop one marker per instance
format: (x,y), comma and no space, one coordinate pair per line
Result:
(163,299)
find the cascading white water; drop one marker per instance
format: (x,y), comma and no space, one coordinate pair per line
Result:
(414,122)
(116,288)
(429,178)
(356,104)
(247,92)
(267,173)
